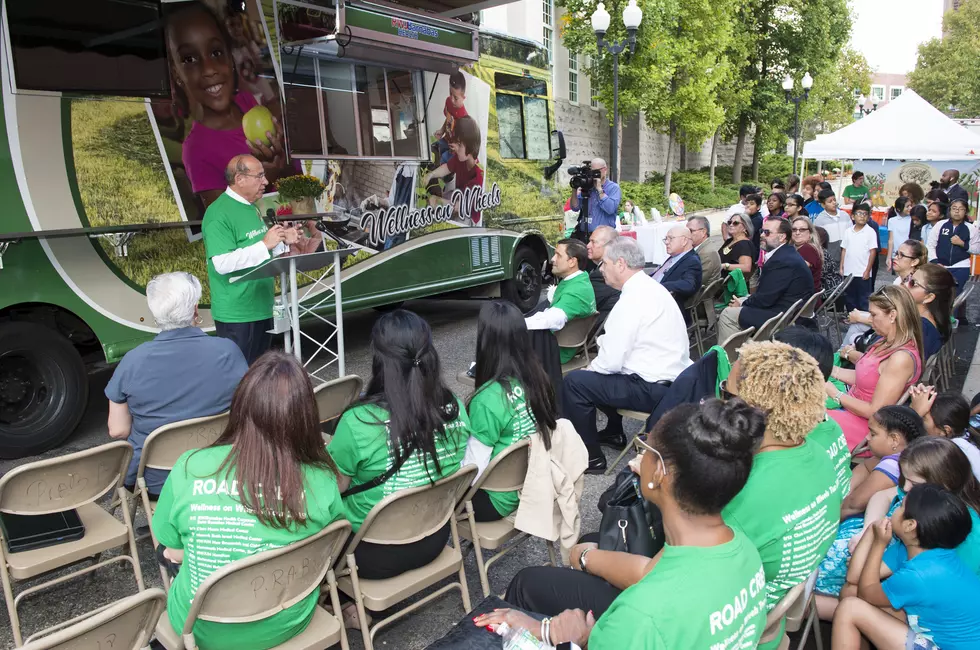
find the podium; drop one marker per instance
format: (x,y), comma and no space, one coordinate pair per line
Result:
(289,268)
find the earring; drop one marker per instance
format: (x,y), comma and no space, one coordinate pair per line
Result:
(651,486)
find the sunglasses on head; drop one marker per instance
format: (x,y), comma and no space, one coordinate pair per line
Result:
(913,283)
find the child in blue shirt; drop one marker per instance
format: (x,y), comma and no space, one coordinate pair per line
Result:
(936,591)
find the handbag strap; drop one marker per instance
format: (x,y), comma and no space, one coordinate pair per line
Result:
(380,479)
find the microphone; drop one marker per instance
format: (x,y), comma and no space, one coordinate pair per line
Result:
(270,214)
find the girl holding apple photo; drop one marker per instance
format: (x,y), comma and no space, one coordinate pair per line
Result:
(206,89)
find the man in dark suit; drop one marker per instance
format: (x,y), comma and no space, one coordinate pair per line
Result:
(950,182)
(605,296)
(680,274)
(785,278)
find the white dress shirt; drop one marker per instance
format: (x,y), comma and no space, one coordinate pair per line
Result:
(551,318)
(645,334)
(247,256)
(974,243)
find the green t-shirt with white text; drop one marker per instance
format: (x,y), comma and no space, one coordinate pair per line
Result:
(576,297)
(230,225)
(830,437)
(498,419)
(790,509)
(361,447)
(695,598)
(199,511)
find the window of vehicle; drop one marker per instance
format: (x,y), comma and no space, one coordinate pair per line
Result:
(522,117)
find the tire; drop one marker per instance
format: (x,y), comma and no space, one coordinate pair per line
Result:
(43,389)
(524,287)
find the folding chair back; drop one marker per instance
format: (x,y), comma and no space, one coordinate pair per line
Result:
(126,625)
(254,588)
(960,299)
(64,482)
(334,396)
(788,316)
(505,473)
(768,328)
(735,341)
(776,614)
(166,444)
(929,371)
(808,310)
(413,514)
(575,334)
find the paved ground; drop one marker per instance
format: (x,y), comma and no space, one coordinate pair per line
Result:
(454,328)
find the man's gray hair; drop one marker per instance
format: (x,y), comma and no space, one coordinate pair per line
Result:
(237,165)
(702,222)
(608,233)
(624,248)
(172,298)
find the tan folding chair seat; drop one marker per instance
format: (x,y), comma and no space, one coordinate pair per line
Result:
(126,624)
(576,334)
(776,614)
(218,599)
(161,450)
(334,396)
(57,484)
(505,473)
(402,518)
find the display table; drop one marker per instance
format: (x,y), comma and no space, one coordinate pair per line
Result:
(651,239)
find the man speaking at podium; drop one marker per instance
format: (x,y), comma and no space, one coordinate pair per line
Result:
(236,240)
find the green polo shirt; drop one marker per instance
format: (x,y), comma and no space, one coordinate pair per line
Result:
(574,296)
(228,226)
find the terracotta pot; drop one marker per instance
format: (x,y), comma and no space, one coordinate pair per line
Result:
(303,206)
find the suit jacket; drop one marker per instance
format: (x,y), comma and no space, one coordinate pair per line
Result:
(683,279)
(957,191)
(784,279)
(605,296)
(710,262)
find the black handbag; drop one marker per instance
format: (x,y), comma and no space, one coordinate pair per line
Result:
(630,523)
(866,340)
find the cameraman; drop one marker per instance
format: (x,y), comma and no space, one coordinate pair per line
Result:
(603,201)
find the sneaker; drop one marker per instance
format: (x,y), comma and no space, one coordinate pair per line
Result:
(597,465)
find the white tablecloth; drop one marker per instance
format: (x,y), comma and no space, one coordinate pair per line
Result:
(651,240)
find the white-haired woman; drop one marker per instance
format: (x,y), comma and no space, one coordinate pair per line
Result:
(181,373)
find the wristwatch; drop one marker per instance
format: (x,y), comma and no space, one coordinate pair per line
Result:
(581,560)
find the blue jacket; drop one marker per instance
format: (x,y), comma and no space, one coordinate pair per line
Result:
(784,279)
(683,279)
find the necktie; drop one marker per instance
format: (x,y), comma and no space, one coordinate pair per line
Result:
(659,275)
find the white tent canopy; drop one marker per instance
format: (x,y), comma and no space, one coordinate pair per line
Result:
(906,128)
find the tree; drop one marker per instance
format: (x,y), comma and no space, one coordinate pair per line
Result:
(946,73)
(831,102)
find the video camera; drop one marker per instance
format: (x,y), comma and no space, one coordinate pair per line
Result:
(583,177)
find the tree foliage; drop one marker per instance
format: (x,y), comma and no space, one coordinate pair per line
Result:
(947,71)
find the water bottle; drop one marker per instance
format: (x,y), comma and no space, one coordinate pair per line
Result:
(518,639)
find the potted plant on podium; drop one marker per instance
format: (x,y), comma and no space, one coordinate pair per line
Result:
(301,192)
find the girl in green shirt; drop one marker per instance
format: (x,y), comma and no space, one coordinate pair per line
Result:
(706,589)
(408,430)
(515,398)
(213,510)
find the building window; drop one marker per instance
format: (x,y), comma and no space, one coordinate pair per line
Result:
(895,92)
(877,94)
(573,77)
(548,25)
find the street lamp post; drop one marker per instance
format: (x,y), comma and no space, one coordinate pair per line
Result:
(632,15)
(862,100)
(788,85)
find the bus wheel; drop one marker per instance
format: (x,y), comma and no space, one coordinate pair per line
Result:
(524,288)
(43,389)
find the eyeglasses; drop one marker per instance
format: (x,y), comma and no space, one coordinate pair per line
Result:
(735,222)
(670,238)
(766,232)
(642,447)
(903,255)
(261,174)
(801,230)
(913,283)
(693,230)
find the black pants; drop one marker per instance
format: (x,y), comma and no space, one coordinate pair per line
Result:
(253,339)
(551,590)
(584,391)
(483,509)
(382,561)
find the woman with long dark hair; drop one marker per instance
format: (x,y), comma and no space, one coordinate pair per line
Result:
(919,219)
(514,398)
(408,430)
(266,482)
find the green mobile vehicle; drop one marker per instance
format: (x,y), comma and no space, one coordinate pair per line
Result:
(108,160)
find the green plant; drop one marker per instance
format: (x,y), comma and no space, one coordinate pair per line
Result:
(301,186)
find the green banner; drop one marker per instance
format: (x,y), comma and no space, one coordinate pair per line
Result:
(395,26)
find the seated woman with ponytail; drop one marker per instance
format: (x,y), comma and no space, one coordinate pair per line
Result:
(514,399)
(408,430)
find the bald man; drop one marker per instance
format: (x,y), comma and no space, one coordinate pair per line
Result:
(603,203)
(236,240)
(950,182)
(681,272)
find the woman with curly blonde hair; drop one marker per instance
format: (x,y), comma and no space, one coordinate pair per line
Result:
(790,506)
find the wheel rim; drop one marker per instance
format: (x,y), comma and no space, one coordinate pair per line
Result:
(527,281)
(27,386)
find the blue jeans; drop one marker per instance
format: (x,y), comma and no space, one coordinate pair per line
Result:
(857,293)
(445,153)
